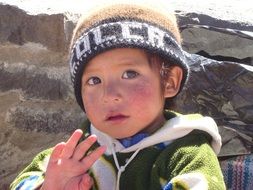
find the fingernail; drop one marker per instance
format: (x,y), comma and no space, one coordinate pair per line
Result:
(93,135)
(79,130)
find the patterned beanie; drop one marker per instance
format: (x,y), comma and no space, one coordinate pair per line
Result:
(126,24)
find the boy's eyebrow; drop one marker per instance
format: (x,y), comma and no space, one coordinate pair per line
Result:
(128,62)
(123,62)
(91,70)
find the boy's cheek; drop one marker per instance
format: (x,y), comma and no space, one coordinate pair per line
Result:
(89,101)
(138,94)
(142,93)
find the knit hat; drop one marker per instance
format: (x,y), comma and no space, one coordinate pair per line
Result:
(125,25)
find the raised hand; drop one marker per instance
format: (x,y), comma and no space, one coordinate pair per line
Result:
(67,167)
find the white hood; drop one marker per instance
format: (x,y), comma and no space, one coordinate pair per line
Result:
(173,129)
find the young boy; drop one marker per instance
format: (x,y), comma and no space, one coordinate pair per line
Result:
(126,65)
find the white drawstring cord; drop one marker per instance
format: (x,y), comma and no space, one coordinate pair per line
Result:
(121,169)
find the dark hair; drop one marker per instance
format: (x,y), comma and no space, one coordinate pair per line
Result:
(164,67)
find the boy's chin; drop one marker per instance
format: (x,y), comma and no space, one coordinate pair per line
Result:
(123,136)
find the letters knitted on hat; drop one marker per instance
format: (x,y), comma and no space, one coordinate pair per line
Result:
(125,25)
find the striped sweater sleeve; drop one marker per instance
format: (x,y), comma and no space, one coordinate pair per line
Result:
(32,176)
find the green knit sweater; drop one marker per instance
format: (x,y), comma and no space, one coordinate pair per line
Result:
(165,160)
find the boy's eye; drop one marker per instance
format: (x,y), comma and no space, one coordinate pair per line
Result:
(93,81)
(129,74)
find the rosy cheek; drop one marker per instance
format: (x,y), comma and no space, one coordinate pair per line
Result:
(140,93)
(90,101)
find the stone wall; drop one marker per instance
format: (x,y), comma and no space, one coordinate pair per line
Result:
(37,106)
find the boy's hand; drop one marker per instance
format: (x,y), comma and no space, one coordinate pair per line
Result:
(67,167)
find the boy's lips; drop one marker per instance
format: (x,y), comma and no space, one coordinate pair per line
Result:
(116,117)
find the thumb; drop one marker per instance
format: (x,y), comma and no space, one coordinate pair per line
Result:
(86,182)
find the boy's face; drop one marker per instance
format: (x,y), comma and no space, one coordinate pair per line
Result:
(122,93)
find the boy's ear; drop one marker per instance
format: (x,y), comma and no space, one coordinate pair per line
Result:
(173,82)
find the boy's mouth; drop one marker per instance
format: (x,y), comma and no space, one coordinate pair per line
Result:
(116,117)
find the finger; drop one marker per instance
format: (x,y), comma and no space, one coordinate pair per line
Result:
(86,182)
(89,160)
(71,144)
(57,150)
(82,148)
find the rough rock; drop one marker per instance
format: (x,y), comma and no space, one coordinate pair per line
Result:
(45,116)
(18,146)
(218,45)
(36,81)
(18,27)
(229,31)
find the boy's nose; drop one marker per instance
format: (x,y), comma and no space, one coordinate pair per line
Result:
(111,93)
